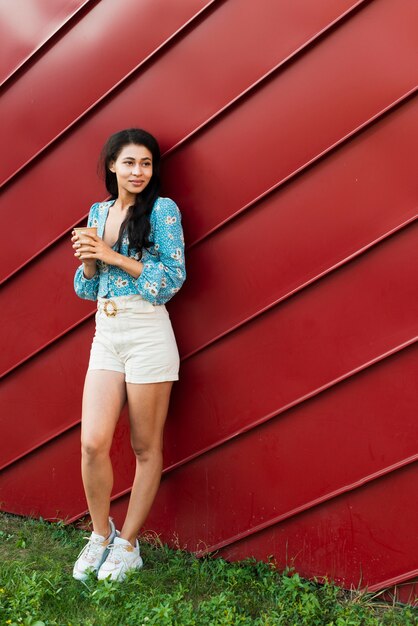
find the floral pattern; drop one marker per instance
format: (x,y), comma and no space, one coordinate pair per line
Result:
(164,266)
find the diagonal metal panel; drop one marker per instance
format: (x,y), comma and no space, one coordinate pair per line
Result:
(373,204)
(402,100)
(311,320)
(153,111)
(36,436)
(308,341)
(319,438)
(262,108)
(356,539)
(304,167)
(66,80)
(183,163)
(326,85)
(58,314)
(25,27)
(53,404)
(92,89)
(308,224)
(343,410)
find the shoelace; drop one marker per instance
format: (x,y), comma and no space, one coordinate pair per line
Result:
(116,553)
(92,549)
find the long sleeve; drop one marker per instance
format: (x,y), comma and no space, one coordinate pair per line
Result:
(164,271)
(87,288)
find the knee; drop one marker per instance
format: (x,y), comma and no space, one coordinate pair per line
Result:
(94,447)
(146,453)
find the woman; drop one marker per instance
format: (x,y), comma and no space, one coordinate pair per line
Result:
(132,267)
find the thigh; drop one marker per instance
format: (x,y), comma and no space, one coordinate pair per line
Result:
(148,406)
(103,398)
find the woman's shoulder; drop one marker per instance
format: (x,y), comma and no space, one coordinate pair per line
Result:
(164,203)
(101,206)
(164,207)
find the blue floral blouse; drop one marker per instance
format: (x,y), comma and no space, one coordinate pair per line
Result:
(164,269)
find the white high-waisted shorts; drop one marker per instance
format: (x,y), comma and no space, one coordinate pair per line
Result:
(136,338)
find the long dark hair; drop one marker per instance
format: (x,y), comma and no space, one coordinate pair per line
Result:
(136,225)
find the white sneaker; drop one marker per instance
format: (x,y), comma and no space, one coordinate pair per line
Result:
(123,557)
(94,553)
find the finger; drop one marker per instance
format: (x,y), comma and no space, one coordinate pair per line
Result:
(85,255)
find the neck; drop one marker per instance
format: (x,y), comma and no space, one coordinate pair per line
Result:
(124,201)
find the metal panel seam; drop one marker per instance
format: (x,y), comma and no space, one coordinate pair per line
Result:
(308,505)
(311,504)
(297,402)
(34,52)
(267,75)
(293,512)
(355,255)
(390,582)
(345,139)
(46,345)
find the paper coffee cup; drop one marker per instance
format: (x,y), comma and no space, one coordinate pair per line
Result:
(86,230)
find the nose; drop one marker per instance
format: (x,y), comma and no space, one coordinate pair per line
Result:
(136,170)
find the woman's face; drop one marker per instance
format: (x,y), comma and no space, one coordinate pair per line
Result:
(133,169)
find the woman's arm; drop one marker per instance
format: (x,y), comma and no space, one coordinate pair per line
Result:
(86,278)
(91,248)
(164,275)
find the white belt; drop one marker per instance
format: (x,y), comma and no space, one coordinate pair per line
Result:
(112,307)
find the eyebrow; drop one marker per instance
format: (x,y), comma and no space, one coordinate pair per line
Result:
(133,158)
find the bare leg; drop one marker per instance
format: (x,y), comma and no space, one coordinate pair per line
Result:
(103,399)
(148,406)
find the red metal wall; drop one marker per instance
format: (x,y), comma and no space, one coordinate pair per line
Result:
(289,131)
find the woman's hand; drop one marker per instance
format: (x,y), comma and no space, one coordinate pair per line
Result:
(90,248)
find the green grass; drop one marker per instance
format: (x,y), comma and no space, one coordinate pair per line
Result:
(173,588)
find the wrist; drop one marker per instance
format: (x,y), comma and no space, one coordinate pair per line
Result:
(116,260)
(89,269)
(130,266)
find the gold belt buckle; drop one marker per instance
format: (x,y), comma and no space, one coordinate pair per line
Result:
(114,310)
